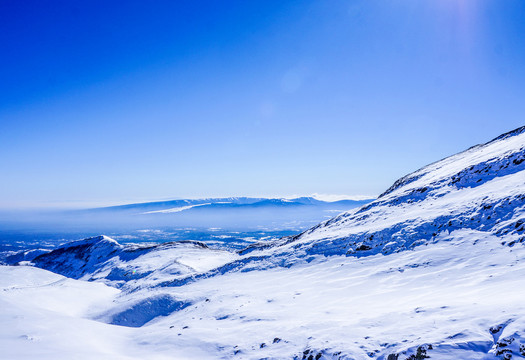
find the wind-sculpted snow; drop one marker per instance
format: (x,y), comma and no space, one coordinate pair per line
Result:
(138,313)
(449,300)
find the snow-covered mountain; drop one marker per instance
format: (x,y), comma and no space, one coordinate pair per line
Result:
(101,257)
(229,202)
(232,212)
(433,268)
(482,188)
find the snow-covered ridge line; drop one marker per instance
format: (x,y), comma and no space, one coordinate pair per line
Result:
(407,179)
(482,188)
(186,204)
(102,258)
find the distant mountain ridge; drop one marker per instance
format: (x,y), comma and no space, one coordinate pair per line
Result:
(242,213)
(234,202)
(229,213)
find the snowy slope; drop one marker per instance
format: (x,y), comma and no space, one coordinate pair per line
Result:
(433,268)
(102,258)
(482,189)
(47,316)
(448,298)
(448,295)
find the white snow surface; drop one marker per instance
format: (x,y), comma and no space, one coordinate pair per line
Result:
(482,188)
(448,294)
(48,316)
(434,268)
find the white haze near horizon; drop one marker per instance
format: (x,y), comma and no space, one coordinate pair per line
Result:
(79,204)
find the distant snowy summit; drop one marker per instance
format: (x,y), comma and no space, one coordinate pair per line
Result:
(232,213)
(244,203)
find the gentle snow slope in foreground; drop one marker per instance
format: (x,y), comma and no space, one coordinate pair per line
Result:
(47,316)
(449,294)
(433,268)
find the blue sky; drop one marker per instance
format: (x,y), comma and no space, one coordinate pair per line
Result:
(103,102)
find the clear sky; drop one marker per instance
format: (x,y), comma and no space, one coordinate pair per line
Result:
(115,101)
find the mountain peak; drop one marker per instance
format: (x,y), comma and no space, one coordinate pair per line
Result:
(480,189)
(492,153)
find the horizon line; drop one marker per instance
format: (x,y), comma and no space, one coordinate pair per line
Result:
(87,204)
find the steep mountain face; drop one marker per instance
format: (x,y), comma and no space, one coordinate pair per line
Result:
(482,189)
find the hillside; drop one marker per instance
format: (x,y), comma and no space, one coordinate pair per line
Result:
(431,269)
(481,189)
